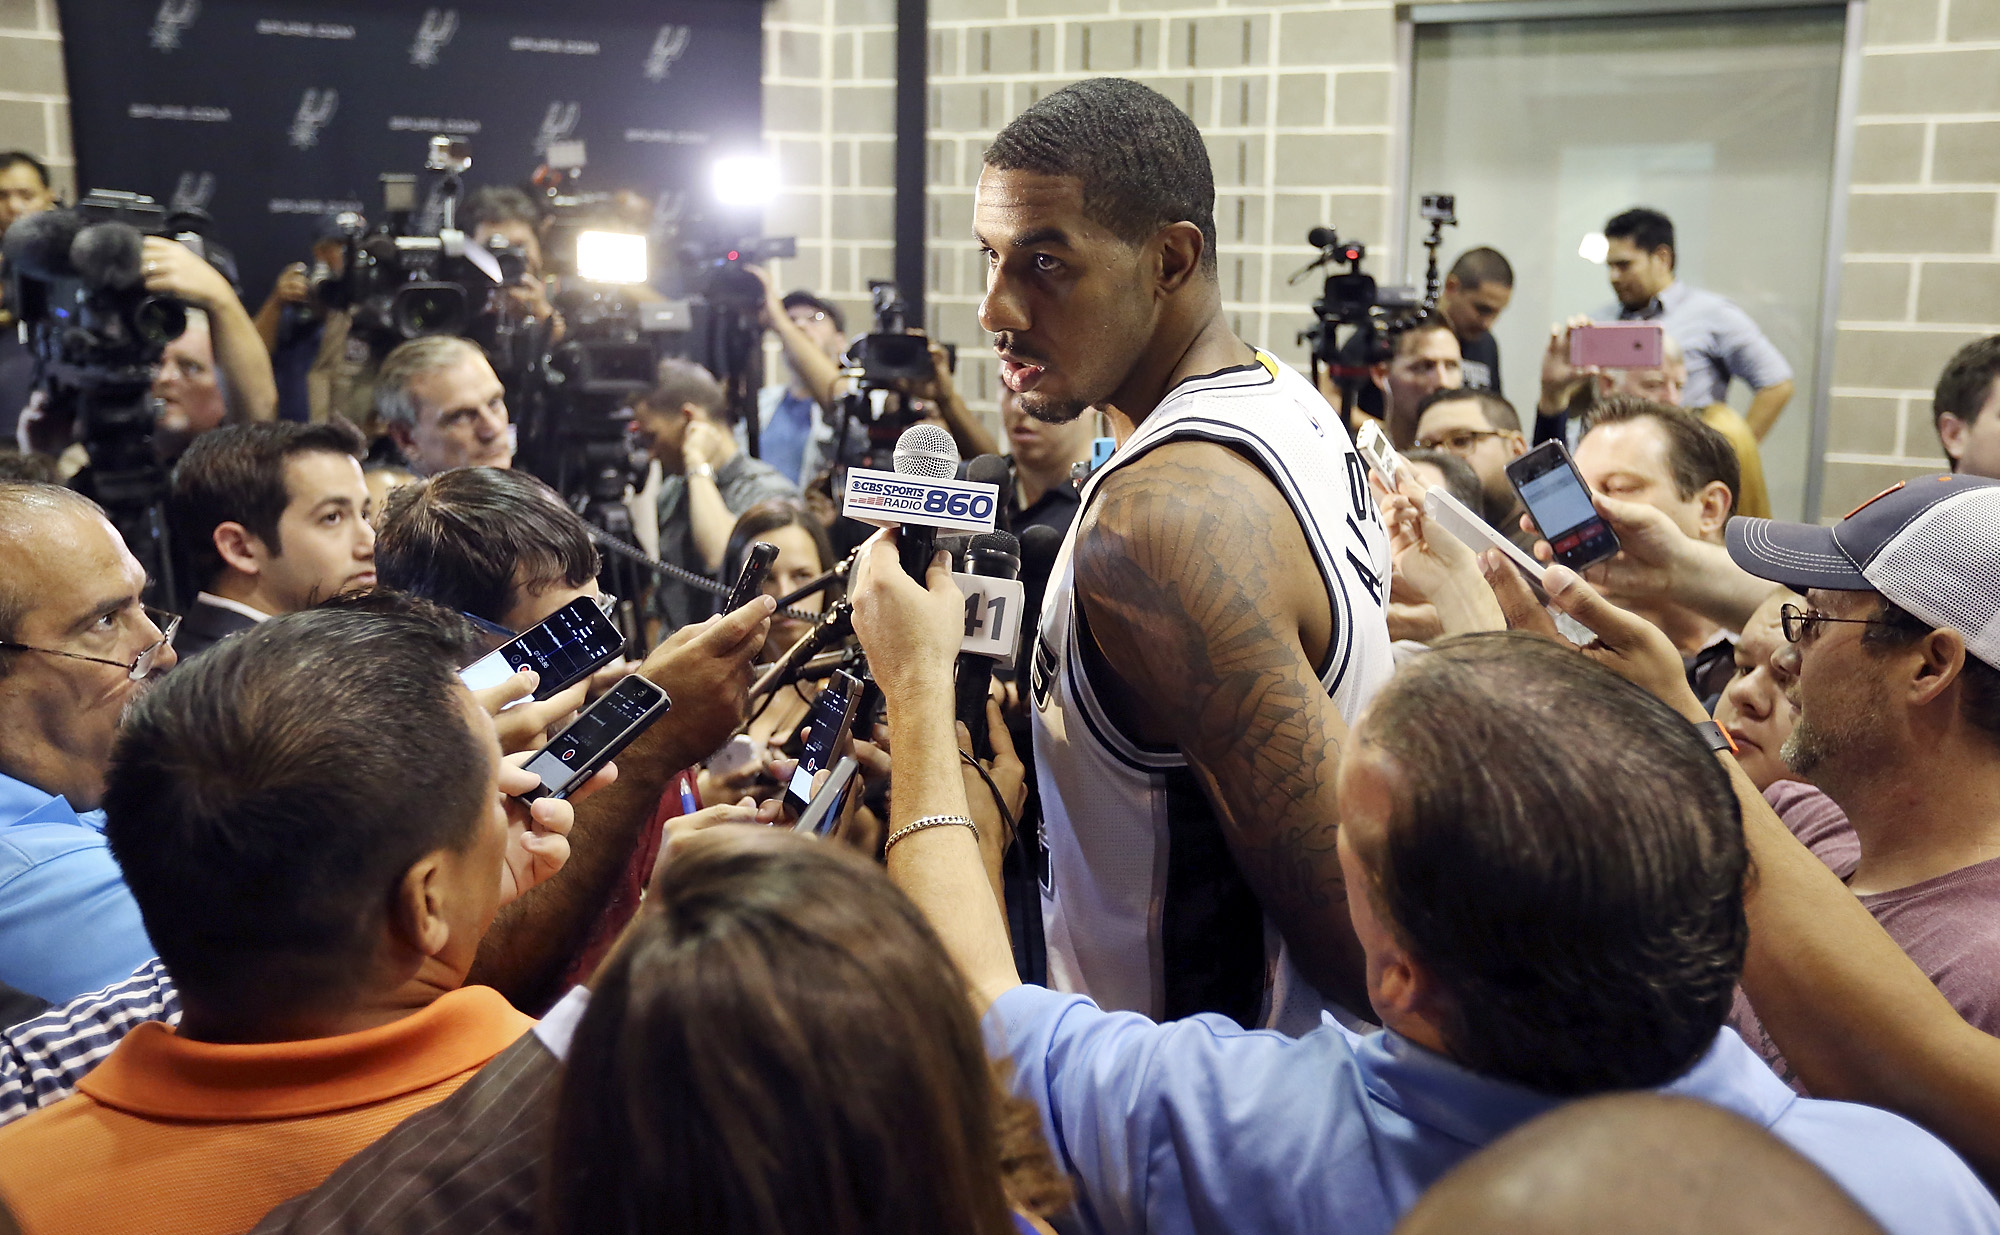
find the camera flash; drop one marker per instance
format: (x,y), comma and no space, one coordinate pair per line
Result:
(744,180)
(1593,248)
(610,257)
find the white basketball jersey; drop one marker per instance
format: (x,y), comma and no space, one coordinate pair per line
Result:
(1143,906)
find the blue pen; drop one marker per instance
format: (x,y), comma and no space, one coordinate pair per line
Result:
(687,797)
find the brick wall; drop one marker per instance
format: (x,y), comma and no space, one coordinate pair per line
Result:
(34,95)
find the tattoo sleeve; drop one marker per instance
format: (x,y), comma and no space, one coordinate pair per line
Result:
(1189,570)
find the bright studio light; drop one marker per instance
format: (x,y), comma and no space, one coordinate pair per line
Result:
(744,180)
(1593,248)
(610,257)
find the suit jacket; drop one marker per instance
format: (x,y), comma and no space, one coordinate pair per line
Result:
(205,624)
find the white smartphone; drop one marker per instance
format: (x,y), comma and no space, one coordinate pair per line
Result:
(1478,535)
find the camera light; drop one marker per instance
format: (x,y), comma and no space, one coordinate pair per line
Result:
(1593,248)
(744,180)
(610,257)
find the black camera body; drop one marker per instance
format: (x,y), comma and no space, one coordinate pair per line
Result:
(398,287)
(886,363)
(1351,299)
(75,282)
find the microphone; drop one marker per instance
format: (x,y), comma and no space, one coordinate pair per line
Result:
(107,255)
(38,245)
(1040,544)
(923,450)
(836,623)
(995,470)
(995,555)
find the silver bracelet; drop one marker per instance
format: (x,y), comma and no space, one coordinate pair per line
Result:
(930,821)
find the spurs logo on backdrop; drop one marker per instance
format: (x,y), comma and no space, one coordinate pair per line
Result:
(433,33)
(669,45)
(316,108)
(193,191)
(558,122)
(174,17)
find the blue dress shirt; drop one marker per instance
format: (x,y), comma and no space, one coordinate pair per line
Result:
(68,924)
(1717,337)
(1201,1125)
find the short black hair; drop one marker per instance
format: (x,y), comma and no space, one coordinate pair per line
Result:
(1499,413)
(472,538)
(265,798)
(1646,228)
(1141,160)
(802,297)
(1966,382)
(499,203)
(683,381)
(1567,860)
(1427,324)
(1478,267)
(236,474)
(1697,455)
(21,158)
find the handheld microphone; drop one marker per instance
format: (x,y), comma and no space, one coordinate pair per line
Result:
(837,622)
(995,555)
(38,245)
(923,450)
(995,470)
(1040,544)
(107,256)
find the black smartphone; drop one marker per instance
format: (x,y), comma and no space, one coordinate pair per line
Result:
(832,714)
(756,564)
(1555,495)
(596,736)
(574,642)
(823,815)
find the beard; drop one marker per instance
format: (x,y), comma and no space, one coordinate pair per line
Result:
(1051,411)
(1814,748)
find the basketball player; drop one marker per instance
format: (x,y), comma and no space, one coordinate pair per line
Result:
(1215,621)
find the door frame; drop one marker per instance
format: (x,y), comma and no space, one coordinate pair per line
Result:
(1403,90)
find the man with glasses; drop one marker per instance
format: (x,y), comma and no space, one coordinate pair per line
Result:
(76,649)
(1896,663)
(1483,429)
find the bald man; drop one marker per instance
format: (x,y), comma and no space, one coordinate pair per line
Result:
(1638,1164)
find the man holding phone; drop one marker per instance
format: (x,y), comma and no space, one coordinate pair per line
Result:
(1720,340)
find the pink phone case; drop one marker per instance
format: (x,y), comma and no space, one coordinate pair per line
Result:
(1618,345)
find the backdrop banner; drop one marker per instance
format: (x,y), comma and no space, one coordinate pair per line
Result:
(270,114)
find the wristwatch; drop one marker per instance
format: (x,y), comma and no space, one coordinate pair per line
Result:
(1716,736)
(704,470)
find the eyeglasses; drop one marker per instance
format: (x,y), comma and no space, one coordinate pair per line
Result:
(607,604)
(1803,627)
(1458,441)
(136,668)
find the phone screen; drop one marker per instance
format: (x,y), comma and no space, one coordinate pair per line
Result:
(1560,503)
(831,714)
(580,747)
(1557,501)
(564,649)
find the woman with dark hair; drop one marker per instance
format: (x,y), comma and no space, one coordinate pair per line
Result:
(781,1045)
(804,554)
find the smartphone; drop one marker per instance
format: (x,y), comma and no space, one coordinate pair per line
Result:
(1554,492)
(576,641)
(832,714)
(596,736)
(1478,535)
(1618,345)
(823,814)
(756,564)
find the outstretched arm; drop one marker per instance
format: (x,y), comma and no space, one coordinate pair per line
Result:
(1197,583)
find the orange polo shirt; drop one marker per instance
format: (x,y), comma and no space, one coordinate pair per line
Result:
(173,1137)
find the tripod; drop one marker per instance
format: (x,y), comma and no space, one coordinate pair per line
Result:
(115,416)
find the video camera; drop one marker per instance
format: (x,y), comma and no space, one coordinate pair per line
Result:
(1372,315)
(407,277)
(885,364)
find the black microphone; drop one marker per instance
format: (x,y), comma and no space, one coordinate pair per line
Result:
(38,245)
(107,256)
(924,450)
(995,470)
(1040,544)
(995,555)
(837,622)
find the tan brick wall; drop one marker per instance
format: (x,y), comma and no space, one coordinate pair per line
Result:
(34,94)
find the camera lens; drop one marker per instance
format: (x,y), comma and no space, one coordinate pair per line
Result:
(158,322)
(429,308)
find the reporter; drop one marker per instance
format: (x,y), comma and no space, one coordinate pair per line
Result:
(240,360)
(441,403)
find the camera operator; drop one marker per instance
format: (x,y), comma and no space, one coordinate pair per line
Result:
(24,190)
(236,351)
(1476,292)
(443,406)
(295,329)
(706,480)
(510,214)
(794,431)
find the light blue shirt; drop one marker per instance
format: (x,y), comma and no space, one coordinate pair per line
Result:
(68,924)
(1201,1125)
(1717,337)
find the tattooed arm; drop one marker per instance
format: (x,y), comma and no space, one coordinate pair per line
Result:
(1202,595)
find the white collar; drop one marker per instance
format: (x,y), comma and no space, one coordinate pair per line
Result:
(234,606)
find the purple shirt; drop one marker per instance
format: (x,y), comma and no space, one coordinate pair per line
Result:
(1948,925)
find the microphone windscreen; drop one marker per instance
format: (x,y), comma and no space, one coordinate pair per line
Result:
(1039,545)
(106,255)
(37,245)
(989,470)
(926,450)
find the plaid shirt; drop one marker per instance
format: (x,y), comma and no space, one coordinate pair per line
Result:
(41,1060)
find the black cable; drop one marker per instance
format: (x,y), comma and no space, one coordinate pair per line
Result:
(681,574)
(1006,816)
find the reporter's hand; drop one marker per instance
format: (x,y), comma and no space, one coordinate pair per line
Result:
(1560,378)
(1653,552)
(528,727)
(609,676)
(293,285)
(538,833)
(680,827)
(910,632)
(705,443)
(705,670)
(170,268)
(1433,566)
(1626,643)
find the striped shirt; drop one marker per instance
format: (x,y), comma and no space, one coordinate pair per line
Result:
(41,1060)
